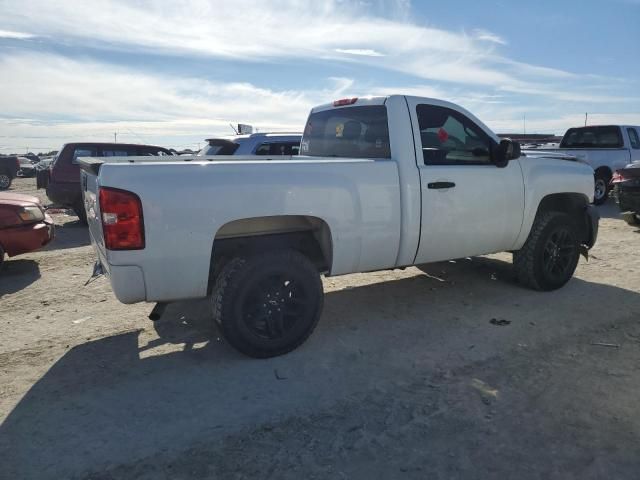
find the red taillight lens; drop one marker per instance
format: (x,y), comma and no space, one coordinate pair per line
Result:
(122,222)
(345,101)
(617,177)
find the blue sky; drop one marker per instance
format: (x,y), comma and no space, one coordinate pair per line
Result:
(174,73)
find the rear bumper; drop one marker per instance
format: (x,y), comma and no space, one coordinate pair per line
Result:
(127,283)
(27,238)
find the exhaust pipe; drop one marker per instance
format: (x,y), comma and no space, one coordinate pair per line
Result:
(157,311)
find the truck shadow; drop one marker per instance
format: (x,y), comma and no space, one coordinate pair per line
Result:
(609,210)
(17,274)
(121,398)
(70,234)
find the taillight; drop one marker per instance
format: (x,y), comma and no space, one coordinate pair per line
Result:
(617,177)
(345,101)
(122,222)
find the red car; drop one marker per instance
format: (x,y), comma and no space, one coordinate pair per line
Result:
(24,225)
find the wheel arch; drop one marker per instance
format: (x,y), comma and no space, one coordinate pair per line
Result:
(306,234)
(604,170)
(574,205)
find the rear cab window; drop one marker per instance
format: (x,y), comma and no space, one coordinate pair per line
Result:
(219,147)
(117,153)
(83,151)
(593,137)
(353,132)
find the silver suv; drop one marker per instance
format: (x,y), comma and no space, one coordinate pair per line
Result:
(254,144)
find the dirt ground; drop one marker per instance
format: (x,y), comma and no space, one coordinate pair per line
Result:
(405,377)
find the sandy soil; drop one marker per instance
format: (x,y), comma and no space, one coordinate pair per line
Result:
(405,377)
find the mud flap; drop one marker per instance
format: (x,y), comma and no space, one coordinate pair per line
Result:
(98,271)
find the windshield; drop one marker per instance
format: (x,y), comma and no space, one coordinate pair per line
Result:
(356,132)
(592,137)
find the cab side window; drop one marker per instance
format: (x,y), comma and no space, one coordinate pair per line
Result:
(633,138)
(450,138)
(278,148)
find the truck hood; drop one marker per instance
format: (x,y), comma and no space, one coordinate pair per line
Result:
(549,154)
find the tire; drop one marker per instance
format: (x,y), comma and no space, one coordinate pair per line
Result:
(81,213)
(268,304)
(631,218)
(550,255)
(1,257)
(5,180)
(601,189)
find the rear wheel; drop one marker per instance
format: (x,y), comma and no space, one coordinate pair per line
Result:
(268,304)
(81,213)
(5,180)
(601,190)
(550,255)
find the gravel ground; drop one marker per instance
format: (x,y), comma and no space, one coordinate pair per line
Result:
(405,377)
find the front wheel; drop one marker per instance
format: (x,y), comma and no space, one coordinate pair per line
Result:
(5,180)
(550,255)
(268,304)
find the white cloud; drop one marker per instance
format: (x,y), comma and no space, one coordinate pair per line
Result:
(366,52)
(254,30)
(84,99)
(16,35)
(487,36)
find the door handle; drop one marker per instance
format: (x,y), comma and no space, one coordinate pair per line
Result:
(438,185)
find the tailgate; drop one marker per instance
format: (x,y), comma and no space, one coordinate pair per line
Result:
(90,168)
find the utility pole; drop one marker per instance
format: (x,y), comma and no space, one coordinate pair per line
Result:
(115,137)
(524,124)
(586,117)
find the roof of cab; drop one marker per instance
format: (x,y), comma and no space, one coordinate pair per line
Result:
(359,102)
(256,135)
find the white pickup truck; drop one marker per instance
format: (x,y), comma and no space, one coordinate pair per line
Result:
(606,148)
(383,182)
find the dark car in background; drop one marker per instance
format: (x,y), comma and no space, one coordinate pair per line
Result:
(9,166)
(27,167)
(626,191)
(24,225)
(62,178)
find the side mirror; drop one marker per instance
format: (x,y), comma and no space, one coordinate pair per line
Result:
(507,150)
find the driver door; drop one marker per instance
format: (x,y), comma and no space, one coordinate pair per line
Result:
(469,206)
